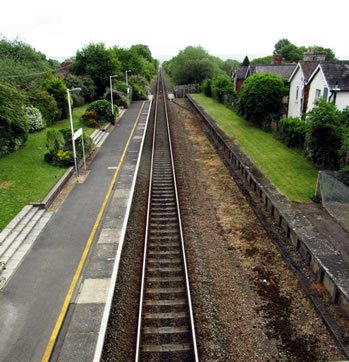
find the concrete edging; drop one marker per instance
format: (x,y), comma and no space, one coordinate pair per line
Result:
(322,258)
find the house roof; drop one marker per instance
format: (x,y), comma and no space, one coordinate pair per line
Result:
(337,74)
(308,67)
(283,70)
(240,71)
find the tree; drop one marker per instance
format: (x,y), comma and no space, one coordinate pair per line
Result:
(330,53)
(97,62)
(261,97)
(324,134)
(192,65)
(292,53)
(56,88)
(221,86)
(279,45)
(13,127)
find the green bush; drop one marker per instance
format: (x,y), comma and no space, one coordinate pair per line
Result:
(60,147)
(324,135)
(88,89)
(34,119)
(13,126)
(206,87)
(45,102)
(103,111)
(292,132)
(261,98)
(56,87)
(90,119)
(222,86)
(119,98)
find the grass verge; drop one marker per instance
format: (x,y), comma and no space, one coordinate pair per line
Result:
(24,175)
(286,168)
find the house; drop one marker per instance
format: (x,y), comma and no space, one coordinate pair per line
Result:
(330,80)
(241,73)
(299,88)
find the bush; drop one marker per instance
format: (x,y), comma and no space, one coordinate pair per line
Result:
(56,87)
(45,102)
(103,110)
(261,98)
(222,86)
(13,127)
(119,98)
(343,175)
(88,89)
(90,119)
(324,135)
(206,87)
(60,148)
(292,132)
(34,119)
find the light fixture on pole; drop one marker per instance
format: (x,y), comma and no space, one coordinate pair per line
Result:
(111,92)
(127,71)
(72,128)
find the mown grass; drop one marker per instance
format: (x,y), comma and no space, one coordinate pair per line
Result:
(25,176)
(286,168)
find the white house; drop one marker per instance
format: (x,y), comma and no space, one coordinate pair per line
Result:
(330,80)
(298,80)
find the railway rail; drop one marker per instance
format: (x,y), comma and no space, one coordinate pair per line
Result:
(165,325)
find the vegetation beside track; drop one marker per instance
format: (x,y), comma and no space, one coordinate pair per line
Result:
(25,176)
(286,168)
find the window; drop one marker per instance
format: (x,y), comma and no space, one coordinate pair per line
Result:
(317,93)
(297,93)
(325,93)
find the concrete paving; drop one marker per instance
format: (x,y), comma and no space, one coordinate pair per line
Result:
(32,300)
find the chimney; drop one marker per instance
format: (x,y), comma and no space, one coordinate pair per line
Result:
(319,56)
(276,59)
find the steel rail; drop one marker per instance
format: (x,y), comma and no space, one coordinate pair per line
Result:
(165,188)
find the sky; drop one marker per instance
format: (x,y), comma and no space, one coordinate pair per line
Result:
(225,28)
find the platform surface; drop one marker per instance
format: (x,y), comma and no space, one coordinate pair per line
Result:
(33,298)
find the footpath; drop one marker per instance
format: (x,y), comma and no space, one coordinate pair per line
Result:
(33,301)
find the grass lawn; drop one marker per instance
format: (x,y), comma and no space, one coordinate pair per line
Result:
(24,175)
(286,168)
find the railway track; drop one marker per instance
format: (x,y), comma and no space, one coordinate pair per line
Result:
(165,325)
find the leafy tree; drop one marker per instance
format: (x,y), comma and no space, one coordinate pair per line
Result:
(192,65)
(292,53)
(88,89)
(56,87)
(20,63)
(13,127)
(324,134)
(221,86)
(263,60)
(97,62)
(261,97)
(280,44)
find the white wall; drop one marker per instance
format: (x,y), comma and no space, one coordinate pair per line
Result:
(342,100)
(294,105)
(318,82)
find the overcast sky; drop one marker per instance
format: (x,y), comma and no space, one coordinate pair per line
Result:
(224,28)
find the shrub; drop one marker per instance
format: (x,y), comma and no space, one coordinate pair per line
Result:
(88,89)
(261,97)
(222,86)
(292,132)
(90,119)
(56,87)
(13,127)
(103,110)
(34,119)
(45,102)
(324,135)
(119,98)
(206,87)
(60,148)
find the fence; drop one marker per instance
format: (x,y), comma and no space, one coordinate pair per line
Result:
(334,197)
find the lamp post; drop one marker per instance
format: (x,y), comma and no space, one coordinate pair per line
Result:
(72,127)
(127,71)
(111,94)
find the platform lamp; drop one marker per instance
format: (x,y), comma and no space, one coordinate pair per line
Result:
(72,128)
(111,94)
(127,71)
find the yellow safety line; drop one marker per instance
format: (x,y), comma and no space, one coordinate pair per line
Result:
(63,311)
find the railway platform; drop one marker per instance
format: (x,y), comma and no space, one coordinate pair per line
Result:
(53,308)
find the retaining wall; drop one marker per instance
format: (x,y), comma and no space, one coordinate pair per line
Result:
(320,255)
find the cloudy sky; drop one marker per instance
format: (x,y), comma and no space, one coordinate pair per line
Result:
(226,28)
